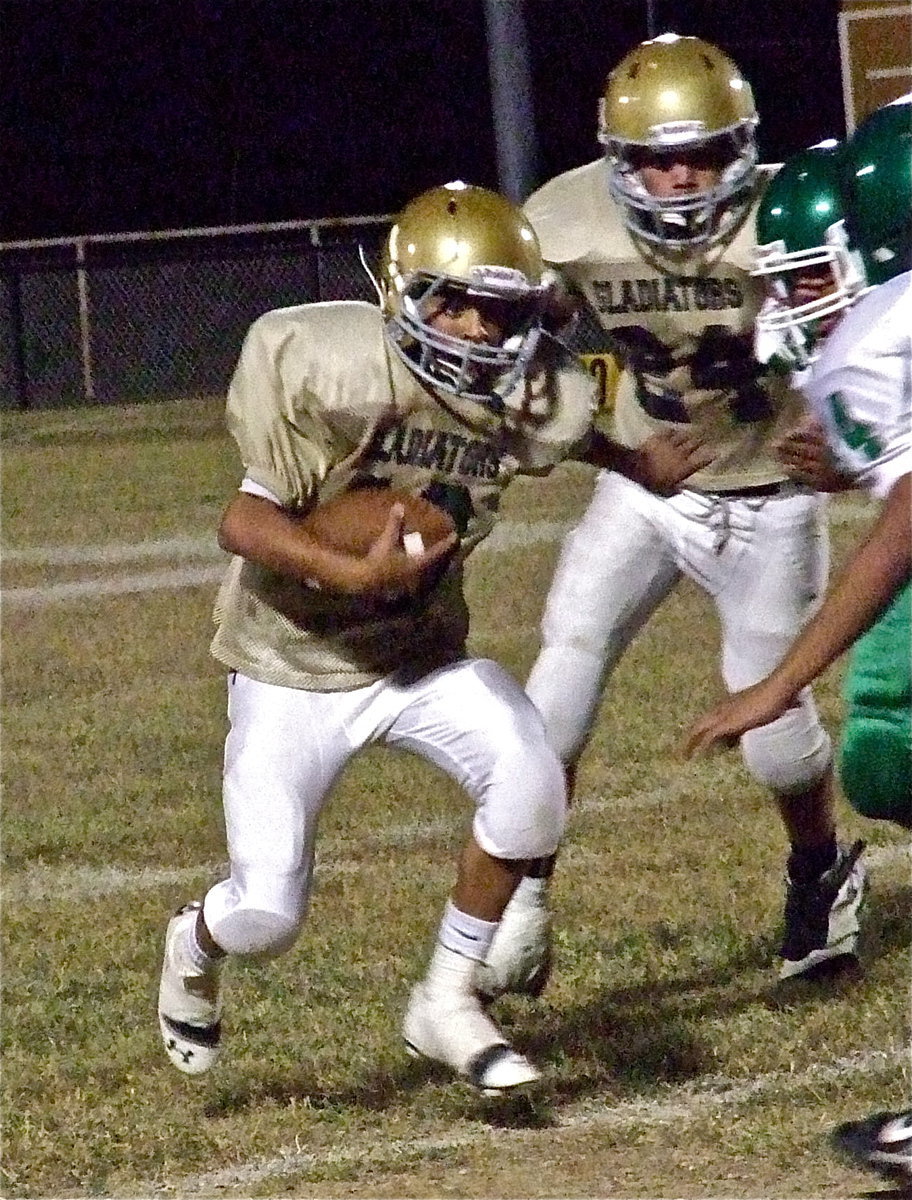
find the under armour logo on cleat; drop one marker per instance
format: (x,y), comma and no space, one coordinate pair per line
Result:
(186,1055)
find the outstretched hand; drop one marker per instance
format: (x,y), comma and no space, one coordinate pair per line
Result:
(723,726)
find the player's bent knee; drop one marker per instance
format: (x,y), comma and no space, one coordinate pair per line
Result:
(250,914)
(526,820)
(537,835)
(875,768)
(789,755)
(257,932)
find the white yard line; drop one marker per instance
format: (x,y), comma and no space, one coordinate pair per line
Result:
(66,885)
(508,535)
(59,884)
(677,1104)
(118,585)
(114,552)
(504,536)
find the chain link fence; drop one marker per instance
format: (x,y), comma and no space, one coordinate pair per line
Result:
(115,319)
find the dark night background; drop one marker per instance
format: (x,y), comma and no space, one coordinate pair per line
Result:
(125,115)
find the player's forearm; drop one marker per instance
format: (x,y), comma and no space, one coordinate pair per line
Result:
(602,451)
(608,455)
(260,532)
(660,464)
(875,573)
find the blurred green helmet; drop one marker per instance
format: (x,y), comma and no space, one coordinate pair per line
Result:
(801,234)
(877,190)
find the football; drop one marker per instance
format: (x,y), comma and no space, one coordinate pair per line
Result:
(352,521)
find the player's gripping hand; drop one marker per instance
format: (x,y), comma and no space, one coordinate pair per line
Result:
(808,459)
(722,726)
(667,458)
(362,557)
(390,571)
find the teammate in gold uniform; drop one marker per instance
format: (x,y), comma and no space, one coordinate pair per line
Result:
(449,390)
(655,240)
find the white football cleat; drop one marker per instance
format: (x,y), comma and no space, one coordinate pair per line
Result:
(189,1003)
(520,956)
(452,1028)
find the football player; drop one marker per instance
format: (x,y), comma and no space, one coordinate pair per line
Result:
(803,257)
(857,384)
(448,389)
(809,270)
(656,241)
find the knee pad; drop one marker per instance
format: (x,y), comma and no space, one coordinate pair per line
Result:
(248,931)
(259,921)
(791,754)
(525,819)
(875,766)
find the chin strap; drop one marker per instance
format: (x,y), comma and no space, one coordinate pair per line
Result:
(371,276)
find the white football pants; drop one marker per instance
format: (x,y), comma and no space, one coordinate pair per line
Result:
(764,562)
(286,748)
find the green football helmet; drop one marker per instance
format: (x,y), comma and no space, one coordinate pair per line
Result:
(463,241)
(877,191)
(800,235)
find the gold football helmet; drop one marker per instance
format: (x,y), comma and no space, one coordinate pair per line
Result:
(673,94)
(463,242)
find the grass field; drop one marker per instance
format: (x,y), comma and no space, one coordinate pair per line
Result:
(675,1065)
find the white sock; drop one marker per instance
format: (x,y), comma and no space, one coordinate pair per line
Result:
(449,973)
(200,960)
(462,943)
(466,935)
(530,893)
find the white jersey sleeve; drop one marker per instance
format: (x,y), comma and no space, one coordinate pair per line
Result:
(861,387)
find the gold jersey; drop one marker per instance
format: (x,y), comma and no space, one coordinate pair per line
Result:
(672,331)
(318,402)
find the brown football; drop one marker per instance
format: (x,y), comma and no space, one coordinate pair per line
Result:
(352,521)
